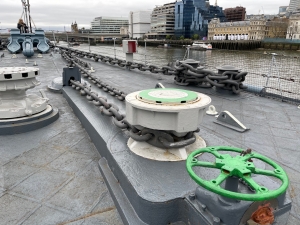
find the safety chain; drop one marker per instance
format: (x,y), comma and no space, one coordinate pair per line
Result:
(158,138)
(184,73)
(82,68)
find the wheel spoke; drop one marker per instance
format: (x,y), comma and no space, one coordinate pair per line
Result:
(216,154)
(223,176)
(204,164)
(268,173)
(255,186)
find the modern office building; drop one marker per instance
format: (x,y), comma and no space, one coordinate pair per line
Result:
(235,14)
(192,17)
(108,25)
(162,21)
(294,5)
(139,23)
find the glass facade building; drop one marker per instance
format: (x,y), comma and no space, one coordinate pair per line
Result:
(192,17)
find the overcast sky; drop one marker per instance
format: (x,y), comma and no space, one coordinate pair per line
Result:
(55,14)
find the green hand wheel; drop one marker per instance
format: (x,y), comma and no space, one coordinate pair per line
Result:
(239,167)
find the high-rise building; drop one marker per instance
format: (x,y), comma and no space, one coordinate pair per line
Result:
(139,23)
(162,21)
(235,14)
(192,17)
(108,25)
(294,5)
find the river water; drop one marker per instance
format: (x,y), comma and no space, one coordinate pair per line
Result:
(280,73)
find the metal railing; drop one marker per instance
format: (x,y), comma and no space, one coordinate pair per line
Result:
(277,75)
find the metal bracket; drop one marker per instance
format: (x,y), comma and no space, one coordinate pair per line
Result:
(228,120)
(71,73)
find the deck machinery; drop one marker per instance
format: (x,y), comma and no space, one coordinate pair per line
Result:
(213,186)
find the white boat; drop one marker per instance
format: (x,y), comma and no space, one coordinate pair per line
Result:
(201,45)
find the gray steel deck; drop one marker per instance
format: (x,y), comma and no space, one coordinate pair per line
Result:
(274,125)
(50,176)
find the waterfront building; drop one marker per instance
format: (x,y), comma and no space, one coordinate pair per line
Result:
(293,29)
(162,21)
(108,25)
(294,5)
(235,14)
(139,23)
(192,17)
(276,28)
(257,28)
(239,30)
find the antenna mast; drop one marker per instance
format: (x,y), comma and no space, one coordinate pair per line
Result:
(216,3)
(28,5)
(26,11)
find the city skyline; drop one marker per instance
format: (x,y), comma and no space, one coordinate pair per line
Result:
(56,14)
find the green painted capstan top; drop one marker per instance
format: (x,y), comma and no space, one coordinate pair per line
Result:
(168,96)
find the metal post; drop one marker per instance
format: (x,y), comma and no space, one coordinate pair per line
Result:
(145,52)
(131,17)
(29,16)
(273,66)
(89,41)
(115,46)
(54,38)
(67,37)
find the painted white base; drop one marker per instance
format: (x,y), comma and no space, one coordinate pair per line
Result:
(148,151)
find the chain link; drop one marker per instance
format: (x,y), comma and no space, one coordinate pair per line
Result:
(161,139)
(86,73)
(185,74)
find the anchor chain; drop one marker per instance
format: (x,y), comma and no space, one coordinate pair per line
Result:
(184,73)
(105,87)
(158,138)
